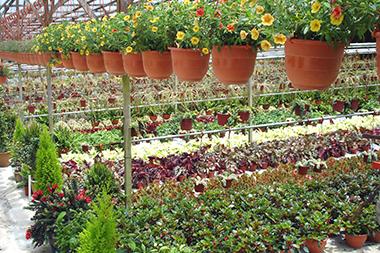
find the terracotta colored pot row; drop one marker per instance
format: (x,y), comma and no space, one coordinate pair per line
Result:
(28,58)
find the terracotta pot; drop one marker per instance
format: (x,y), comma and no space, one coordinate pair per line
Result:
(355,105)
(315,246)
(180,178)
(157,65)
(67,62)
(303,170)
(186,124)
(228,183)
(95,63)
(244,116)
(375,165)
(375,237)
(312,64)
(3,79)
(4,159)
(377,35)
(166,116)
(133,65)
(355,241)
(199,188)
(153,117)
(189,64)
(233,64)
(111,100)
(115,122)
(31,108)
(113,61)
(338,106)
(222,118)
(83,103)
(79,61)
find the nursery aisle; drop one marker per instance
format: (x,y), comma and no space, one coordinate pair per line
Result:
(14,219)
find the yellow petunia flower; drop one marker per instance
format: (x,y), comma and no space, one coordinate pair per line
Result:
(154,20)
(315,7)
(265,45)
(279,39)
(127,18)
(260,9)
(133,34)
(336,21)
(205,50)
(255,34)
(180,35)
(267,19)
(196,28)
(315,25)
(129,50)
(243,34)
(154,29)
(138,14)
(149,8)
(50,48)
(194,40)
(87,52)
(94,29)
(186,1)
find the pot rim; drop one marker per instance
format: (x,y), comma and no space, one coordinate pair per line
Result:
(312,42)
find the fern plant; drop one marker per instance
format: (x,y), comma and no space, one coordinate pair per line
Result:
(100,235)
(48,169)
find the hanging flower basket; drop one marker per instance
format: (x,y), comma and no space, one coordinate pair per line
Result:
(133,65)
(233,64)
(67,62)
(157,65)
(189,64)
(312,65)
(113,61)
(79,61)
(95,63)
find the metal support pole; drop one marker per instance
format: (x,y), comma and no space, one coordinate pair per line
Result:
(250,104)
(127,139)
(21,98)
(176,93)
(50,98)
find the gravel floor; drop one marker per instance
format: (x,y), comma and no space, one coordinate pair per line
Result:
(14,220)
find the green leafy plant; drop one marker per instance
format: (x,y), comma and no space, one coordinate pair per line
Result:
(99,178)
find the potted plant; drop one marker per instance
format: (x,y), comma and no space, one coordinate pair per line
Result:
(191,56)
(319,33)
(300,107)
(155,38)
(223,115)
(339,102)
(239,29)
(7,122)
(74,40)
(200,184)
(168,111)
(227,179)
(132,57)
(4,73)
(244,113)
(92,45)
(113,30)
(186,120)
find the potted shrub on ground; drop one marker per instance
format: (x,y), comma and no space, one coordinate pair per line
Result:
(190,57)
(239,29)
(7,122)
(319,33)
(154,39)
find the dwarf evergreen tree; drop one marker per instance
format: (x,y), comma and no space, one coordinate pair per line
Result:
(48,168)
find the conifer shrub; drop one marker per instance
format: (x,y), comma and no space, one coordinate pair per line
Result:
(99,178)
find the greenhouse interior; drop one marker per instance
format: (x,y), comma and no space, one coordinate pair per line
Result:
(190,126)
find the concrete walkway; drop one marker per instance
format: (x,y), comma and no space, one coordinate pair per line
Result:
(14,220)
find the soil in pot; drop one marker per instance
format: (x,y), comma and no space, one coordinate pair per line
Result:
(153,117)
(115,122)
(222,118)
(113,62)
(355,241)
(79,61)
(315,246)
(189,64)
(157,65)
(5,159)
(186,124)
(166,116)
(95,63)
(133,65)
(312,64)
(233,64)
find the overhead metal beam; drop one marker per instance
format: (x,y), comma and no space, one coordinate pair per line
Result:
(86,8)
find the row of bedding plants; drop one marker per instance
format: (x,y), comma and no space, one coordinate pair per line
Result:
(156,40)
(276,211)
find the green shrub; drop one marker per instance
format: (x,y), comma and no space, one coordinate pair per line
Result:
(100,178)
(100,234)
(7,123)
(48,168)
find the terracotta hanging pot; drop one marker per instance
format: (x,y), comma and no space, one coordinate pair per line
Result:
(133,65)
(113,61)
(312,65)
(355,241)
(377,35)
(157,65)
(67,62)
(315,246)
(95,63)
(3,79)
(79,61)
(233,64)
(189,64)
(46,57)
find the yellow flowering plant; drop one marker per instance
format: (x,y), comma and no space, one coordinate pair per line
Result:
(153,30)
(192,23)
(112,33)
(246,22)
(131,20)
(94,38)
(333,21)
(50,39)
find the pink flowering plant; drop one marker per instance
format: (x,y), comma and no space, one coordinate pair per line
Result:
(56,205)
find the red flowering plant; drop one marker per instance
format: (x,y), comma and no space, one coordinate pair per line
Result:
(333,21)
(56,205)
(246,22)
